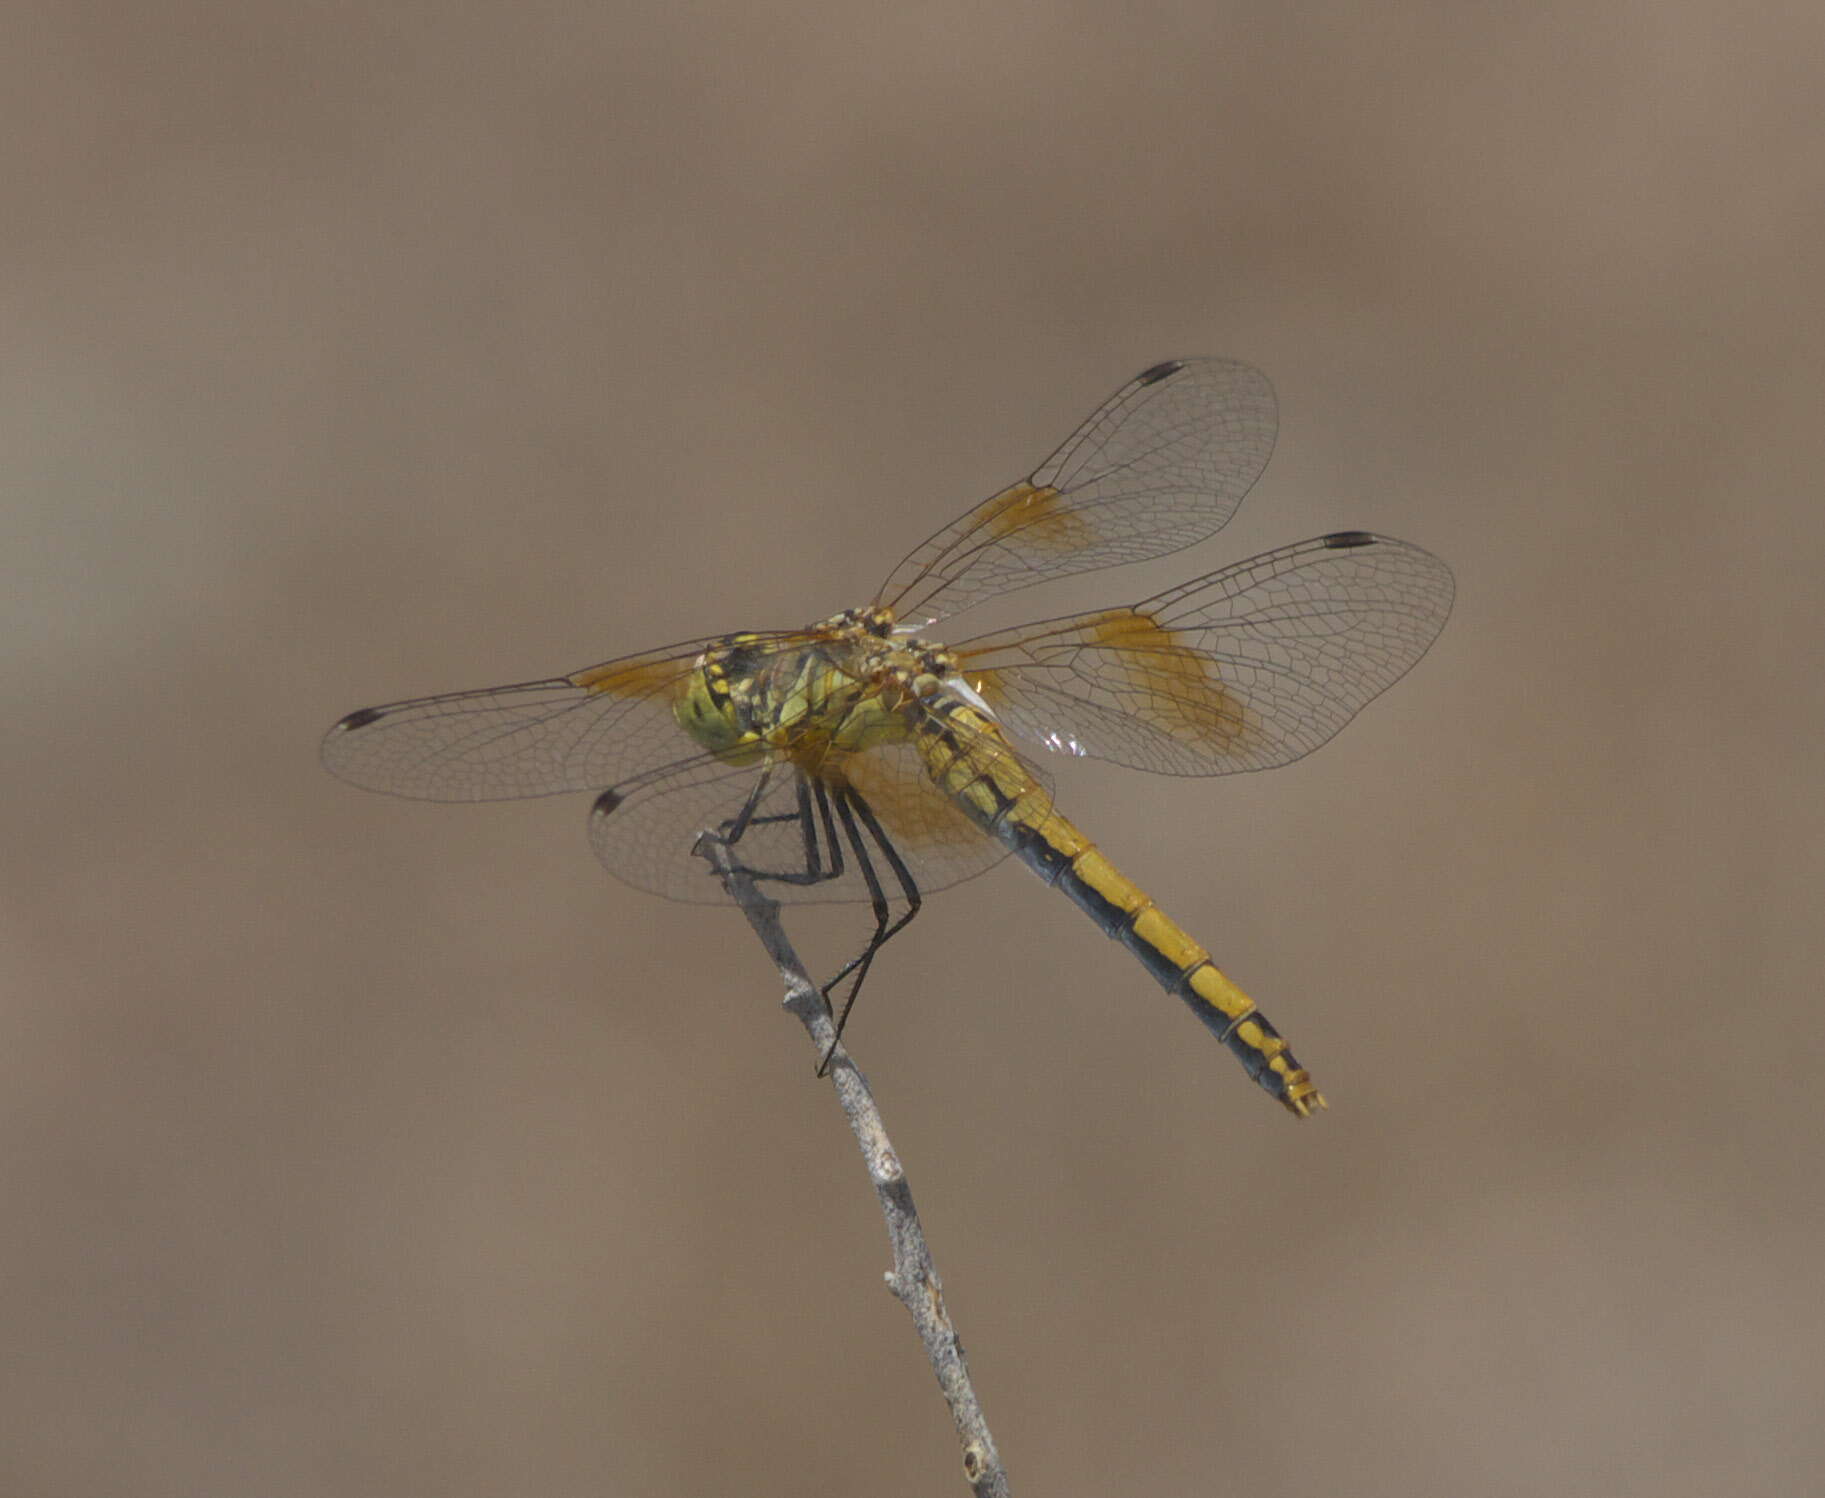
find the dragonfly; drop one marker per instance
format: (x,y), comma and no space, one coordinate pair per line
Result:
(859,759)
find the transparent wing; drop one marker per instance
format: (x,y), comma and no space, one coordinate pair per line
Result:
(537,738)
(644,831)
(610,728)
(1162,464)
(1247,668)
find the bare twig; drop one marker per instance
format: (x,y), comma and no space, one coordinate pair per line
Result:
(913,1278)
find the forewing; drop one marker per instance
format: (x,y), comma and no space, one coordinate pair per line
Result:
(537,738)
(1162,464)
(1250,667)
(612,726)
(641,831)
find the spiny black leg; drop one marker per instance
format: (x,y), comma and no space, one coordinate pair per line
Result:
(808,790)
(815,870)
(909,887)
(851,807)
(733,829)
(807,824)
(831,840)
(807,828)
(882,911)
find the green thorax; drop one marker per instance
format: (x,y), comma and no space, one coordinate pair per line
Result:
(841,686)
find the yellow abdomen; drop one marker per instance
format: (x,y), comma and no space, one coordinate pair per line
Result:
(998,793)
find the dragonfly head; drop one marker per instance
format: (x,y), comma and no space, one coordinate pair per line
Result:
(715,703)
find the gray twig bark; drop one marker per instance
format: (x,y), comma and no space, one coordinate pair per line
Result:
(913,1278)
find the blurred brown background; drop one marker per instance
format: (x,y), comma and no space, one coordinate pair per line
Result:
(353,1146)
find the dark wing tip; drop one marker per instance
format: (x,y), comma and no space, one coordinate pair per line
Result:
(1159,371)
(1339,540)
(360,718)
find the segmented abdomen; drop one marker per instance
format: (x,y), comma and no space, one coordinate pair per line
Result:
(1001,797)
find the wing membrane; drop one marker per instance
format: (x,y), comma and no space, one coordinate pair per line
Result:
(610,728)
(1163,463)
(1250,667)
(642,832)
(537,738)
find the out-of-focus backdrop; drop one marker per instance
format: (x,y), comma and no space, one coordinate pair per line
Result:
(355,1146)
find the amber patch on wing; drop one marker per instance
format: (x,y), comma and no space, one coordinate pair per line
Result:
(913,811)
(1163,682)
(640,677)
(1038,516)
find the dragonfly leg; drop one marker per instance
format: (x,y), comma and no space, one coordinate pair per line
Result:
(851,810)
(813,815)
(731,831)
